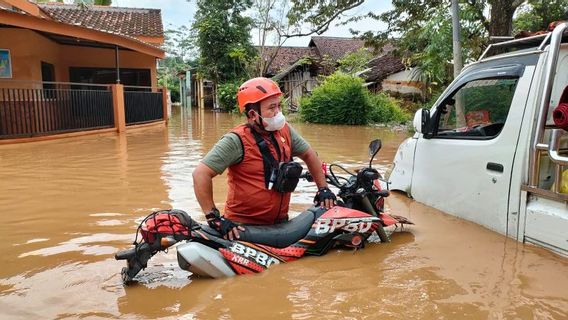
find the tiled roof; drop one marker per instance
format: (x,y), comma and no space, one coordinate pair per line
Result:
(335,47)
(383,66)
(126,21)
(285,57)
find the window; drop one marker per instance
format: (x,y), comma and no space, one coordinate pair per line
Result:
(478,110)
(128,77)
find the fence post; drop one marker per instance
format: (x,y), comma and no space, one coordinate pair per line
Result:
(118,105)
(165,103)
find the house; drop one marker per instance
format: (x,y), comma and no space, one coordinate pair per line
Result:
(65,67)
(296,68)
(387,73)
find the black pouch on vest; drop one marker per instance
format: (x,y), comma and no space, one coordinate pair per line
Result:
(287,176)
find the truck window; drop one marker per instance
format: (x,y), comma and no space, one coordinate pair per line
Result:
(478,110)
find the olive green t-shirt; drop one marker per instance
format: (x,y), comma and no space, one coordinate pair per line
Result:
(229,150)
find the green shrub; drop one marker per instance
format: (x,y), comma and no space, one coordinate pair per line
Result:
(386,110)
(340,99)
(228,96)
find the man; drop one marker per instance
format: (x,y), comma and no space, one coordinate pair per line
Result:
(251,152)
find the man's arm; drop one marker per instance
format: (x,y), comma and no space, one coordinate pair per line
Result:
(203,186)
(227,151)
(314,166)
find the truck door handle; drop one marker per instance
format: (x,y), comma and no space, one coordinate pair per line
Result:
(494,166)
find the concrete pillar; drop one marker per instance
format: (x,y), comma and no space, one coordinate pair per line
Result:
(119,109)
(165,103)
(201,94)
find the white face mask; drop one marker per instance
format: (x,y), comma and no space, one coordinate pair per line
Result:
(275,123)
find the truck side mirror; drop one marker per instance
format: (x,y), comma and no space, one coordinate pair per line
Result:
(421,121)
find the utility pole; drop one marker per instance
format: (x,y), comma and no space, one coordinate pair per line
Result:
(458,63)
(456,36)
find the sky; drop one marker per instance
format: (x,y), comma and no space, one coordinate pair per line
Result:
(176,13)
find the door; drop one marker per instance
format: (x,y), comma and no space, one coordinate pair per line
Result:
(48,75)
(463,163)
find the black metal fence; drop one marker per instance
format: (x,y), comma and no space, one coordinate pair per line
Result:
(55,108)
(142,105)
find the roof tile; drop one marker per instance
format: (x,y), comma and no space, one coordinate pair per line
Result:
(285,57)
(336,47)
(125,21)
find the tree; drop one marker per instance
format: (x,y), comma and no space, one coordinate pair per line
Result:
(535,15)
(222,35)
(355,62)
(178,43)
(320,13)
(317,15)
(223,38)
(421,28)
(179,58)
(501,12)
(269,20)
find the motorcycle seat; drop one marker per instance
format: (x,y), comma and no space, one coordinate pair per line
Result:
(279,235)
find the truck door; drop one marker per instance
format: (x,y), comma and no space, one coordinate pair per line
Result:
(464,161)
(546,218)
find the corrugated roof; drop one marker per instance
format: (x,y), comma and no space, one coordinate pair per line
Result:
(126,21)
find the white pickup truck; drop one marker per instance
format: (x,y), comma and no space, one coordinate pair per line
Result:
(488,150)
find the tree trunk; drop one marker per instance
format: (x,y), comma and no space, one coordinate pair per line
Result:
(501,21)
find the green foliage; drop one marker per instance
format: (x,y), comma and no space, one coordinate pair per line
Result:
(429,49)
(228,96)
(284,105)
(179,58)
(340,99)
(535,15)
(495,97)
(168,69)
(433,98)
(355,62)
(222,34)
(427,44)
(386,110)
(423,28)
(317,15)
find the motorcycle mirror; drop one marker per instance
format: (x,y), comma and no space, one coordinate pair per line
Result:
(374,148)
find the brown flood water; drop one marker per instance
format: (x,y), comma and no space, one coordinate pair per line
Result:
(69,205)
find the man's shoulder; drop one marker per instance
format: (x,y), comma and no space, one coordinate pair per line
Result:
(240,129)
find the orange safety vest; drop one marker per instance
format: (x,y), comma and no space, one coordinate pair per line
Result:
(248,199)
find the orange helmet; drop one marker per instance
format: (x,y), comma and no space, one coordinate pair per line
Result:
(255,90)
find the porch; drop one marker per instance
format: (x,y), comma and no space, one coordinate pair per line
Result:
(34,110)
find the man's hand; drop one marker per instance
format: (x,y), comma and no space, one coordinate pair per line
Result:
(226,227)
(325,198)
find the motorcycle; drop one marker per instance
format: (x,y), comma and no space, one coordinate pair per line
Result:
(350,223)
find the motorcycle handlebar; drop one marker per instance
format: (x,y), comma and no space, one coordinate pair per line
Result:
(137,259)
(125,254)
(308,177)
